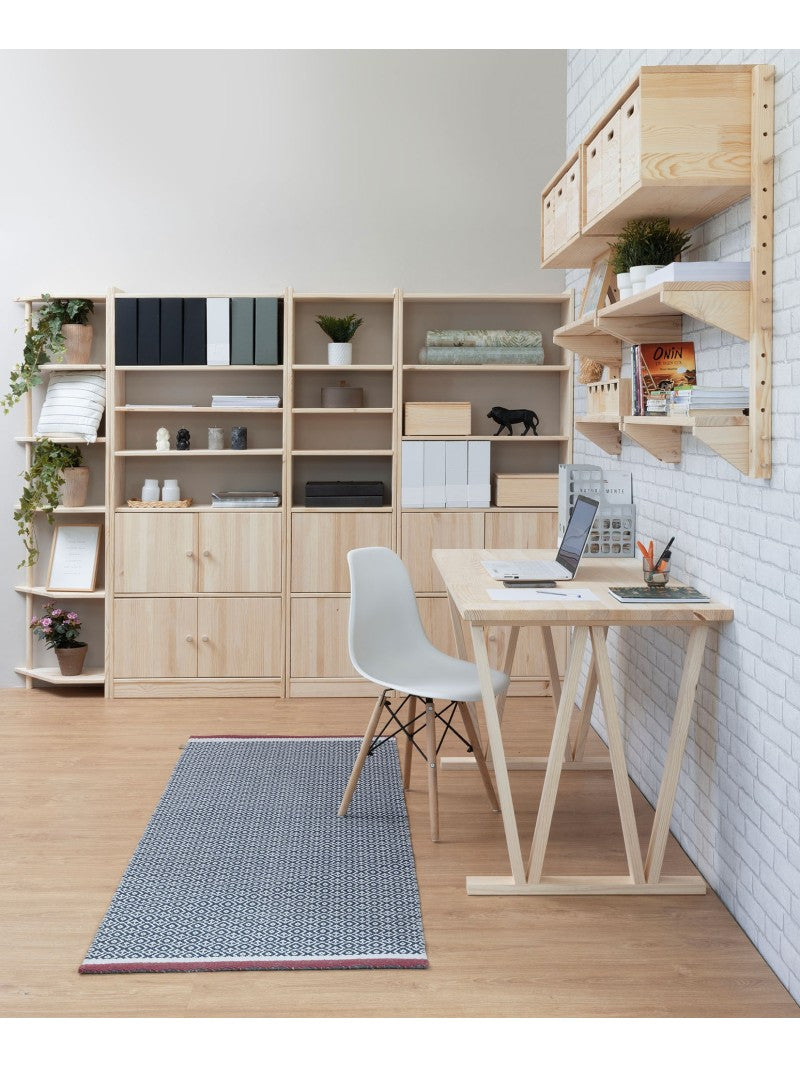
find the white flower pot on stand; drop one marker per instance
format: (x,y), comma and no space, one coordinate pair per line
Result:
(340,353)
(638,275)
(624,285)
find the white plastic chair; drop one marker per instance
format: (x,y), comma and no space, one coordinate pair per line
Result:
(389,646)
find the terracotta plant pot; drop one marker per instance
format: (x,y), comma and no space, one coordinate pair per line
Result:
(71,660)
(79,343)
(75,487)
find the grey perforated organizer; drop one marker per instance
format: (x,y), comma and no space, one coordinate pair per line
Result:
(614,528)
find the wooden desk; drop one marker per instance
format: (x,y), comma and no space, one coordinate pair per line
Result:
(467,585)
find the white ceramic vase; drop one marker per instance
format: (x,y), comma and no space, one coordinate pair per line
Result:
(171,490)
(150,491)
(624,285)
(340,353)
(638,275)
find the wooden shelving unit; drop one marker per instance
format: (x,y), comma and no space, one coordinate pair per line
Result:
(649,156)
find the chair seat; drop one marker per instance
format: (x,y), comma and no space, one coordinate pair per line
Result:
(431,673)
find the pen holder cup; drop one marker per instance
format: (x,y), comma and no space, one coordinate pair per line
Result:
(656,579)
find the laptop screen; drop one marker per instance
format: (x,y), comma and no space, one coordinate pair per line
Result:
(577,533)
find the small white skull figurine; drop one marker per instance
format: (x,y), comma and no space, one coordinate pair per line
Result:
(162,440)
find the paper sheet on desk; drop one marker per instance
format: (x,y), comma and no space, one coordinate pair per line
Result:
(553,596)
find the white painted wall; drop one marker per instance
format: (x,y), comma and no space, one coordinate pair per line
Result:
(738,807)
(214,171)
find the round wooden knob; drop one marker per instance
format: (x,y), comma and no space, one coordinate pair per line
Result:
(205,638)
(189,638)
(206,552)
(189,555)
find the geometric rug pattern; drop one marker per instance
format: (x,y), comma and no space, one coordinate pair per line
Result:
(245,865)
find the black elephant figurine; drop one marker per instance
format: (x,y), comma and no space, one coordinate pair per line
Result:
(506,417)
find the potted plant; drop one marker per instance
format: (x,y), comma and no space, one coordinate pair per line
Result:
(56,475)
(340,331)
(60,630)
(60,332)
(642,247)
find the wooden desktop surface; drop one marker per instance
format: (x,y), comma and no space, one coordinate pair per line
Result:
(468,584)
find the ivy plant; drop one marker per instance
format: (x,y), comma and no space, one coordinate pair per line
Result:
(43,481)
(44,342)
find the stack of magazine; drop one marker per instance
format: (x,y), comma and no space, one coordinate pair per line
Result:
(661,372)
(722,398)
(259,498)
(245,401)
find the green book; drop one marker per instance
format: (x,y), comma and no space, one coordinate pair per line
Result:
(268,327)
(242,330)
(665,594)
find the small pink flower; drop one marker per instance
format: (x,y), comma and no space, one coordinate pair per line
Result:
(56,612)
(72,615)
(47,623)
(34,621)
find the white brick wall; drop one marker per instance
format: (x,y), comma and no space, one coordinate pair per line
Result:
(737,813)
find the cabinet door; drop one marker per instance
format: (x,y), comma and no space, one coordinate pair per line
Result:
(239,637)
(320,544)
(318,637)
(423,532)
(155,637)
(155,553)
(517,530)
(240,553)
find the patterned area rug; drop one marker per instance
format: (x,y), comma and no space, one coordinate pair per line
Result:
(245,865)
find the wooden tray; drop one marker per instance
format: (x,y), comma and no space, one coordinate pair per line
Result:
(160,503)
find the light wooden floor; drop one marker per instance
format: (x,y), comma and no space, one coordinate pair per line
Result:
(82,776)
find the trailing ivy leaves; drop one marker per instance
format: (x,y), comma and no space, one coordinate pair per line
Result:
(340,330)
(43,481)
(44,342)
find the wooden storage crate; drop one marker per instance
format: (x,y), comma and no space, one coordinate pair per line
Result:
(438,419)
(526,490)
(609,397)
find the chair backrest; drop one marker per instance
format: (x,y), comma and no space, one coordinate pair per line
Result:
(384,618)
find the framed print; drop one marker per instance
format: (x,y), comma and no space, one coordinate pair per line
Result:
(599,282)
(73,559)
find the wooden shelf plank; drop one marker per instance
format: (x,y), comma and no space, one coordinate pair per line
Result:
(602,430)
(342,452)
(342,411)
(49,594)
(155,409)
(651,315)
(348,368)
(503,368)
(190,368)
(192,453)
(87,509)
(505,439)
(194,509)
(47,367)
(59,440)
(53,675)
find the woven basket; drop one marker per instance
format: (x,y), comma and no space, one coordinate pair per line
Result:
(589,372)
(160,503)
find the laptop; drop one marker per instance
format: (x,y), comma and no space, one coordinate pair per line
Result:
(563,568)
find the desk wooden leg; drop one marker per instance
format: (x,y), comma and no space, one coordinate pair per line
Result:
(677,744)
(498,755)
(461,649)
(555,760)
(555,681)
(617,753)
(585,718)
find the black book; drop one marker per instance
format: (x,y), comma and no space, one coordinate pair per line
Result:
(148,332)
(125,331)
(172,330)
(194,330)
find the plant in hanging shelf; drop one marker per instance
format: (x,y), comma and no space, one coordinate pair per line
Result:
(642,247)
(54,469)
(340,331)
(60,630)
(60,332)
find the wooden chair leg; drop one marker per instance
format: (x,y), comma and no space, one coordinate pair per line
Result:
(409,749)
(433,788)
(474,741)
(363,752)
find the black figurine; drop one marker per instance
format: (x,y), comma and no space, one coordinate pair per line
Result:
(182,440)
(239,438)
(506,418)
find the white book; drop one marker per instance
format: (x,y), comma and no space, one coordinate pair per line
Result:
(704,271)
(433,474)
(218,331)
(411,495)
(455,487)
(479,482)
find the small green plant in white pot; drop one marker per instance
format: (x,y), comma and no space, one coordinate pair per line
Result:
(642,247)
(340,331)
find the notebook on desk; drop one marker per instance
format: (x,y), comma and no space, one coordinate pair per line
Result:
(670,594)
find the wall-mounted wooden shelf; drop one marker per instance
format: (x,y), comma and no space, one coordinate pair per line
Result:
(586,339)
(655,315)
(603,430)
(726,433)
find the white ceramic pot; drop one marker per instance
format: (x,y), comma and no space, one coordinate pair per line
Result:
(171,490)
(340,353)
(150,491)
(638,275)
(624,285)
